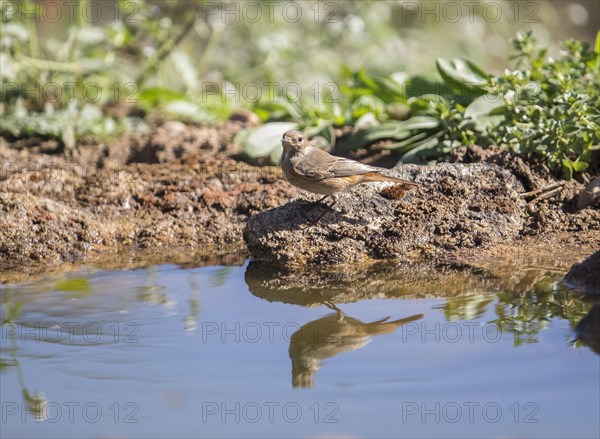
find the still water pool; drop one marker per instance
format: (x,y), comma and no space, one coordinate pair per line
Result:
(251,352)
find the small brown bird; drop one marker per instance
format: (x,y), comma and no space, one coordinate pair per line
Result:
(331,335)
(312,169)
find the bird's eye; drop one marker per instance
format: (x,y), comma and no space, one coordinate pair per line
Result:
(300,139)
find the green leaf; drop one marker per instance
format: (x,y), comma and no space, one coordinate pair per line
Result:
(262,141)
(6,363)
(484,111)
(367,120)
(12,311)
(567,169)
(275,155)
(369,135)
(416,141)
(15,30)
(419,123)
(580,166)
(408,143)
(158,95)
(242,136)
(597,50)
(429,148)
(186,69)
(462,73)
(78,285)
(323,129)
(418,86)
(73,284)
(391,130)
(186,110)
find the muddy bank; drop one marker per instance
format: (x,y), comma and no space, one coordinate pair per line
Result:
(183,189)
(184,257)
(176,187)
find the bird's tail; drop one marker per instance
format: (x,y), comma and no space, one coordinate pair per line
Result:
(376,176)
(383,326)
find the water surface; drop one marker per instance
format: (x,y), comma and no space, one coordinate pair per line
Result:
(250,351)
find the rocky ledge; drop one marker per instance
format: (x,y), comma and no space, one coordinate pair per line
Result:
(456,206)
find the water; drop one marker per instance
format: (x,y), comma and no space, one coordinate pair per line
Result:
(251,352)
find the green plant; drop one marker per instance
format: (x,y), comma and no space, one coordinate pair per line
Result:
(546,106)
(551,106)
(45,84)
(61,87)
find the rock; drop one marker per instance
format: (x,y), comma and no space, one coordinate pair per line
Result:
(584,278)
(456,206)
(590,195)
(247,117)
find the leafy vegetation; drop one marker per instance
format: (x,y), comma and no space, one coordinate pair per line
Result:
(545,106)
(63,79)
(523,313)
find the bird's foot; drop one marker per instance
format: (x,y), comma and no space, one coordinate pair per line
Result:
(326,207)
(339,313)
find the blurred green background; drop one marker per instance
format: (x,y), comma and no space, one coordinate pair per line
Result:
(100,68)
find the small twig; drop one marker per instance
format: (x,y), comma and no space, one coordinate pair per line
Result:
(560,184)
(545,195)
(164,50)
(32,29)
(44,64)
(212,43)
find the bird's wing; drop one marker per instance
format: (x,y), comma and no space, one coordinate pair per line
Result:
(319,165)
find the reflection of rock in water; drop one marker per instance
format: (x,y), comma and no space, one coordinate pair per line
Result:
(313,287)
(329,336)
(378,281)
(588,329)
(584,278)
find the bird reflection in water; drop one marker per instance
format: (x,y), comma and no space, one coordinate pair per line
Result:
(329,336)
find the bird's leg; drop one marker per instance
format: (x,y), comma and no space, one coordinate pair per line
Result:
(339,312)
(327,209)
(320,200)
(315,202)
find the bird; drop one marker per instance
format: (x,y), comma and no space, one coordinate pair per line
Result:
(331,335)
(314,170)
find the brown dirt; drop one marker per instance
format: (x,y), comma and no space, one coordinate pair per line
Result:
(178,188)
(175,187)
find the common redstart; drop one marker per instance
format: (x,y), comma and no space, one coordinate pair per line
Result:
(312,169)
